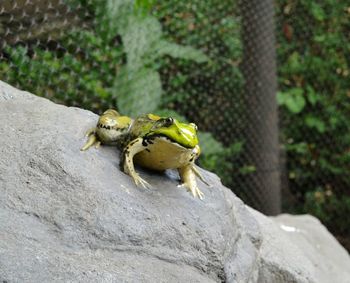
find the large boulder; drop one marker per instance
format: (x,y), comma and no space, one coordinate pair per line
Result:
(72,216)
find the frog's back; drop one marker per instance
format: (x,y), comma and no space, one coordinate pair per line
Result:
(139,127)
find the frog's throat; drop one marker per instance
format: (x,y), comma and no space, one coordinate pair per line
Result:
(166,138)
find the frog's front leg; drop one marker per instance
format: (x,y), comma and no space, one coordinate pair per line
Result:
(188,177)
(127,163)
(93,140)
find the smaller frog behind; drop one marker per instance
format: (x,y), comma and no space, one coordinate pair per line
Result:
(111,126)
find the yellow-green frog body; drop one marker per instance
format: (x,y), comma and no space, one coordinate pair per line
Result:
(159,144)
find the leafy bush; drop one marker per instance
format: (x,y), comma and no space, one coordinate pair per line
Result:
(82,78)
(117,72)
(314,97)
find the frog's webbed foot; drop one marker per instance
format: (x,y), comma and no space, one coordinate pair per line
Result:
(196,192)
(140,182)
(93,140)
(188,178)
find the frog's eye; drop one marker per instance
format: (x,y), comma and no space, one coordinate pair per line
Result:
(194,126)
(168,121)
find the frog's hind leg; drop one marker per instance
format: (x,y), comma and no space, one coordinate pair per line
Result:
(127,164)
(91,133)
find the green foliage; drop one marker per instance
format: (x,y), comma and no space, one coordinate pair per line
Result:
(293,99)
(220,159)
(78,79)
(314,98)
(103,73)
(138,86)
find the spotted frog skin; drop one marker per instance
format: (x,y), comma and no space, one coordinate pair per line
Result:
(154,142)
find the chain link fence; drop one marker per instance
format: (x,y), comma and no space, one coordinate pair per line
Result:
(216,63)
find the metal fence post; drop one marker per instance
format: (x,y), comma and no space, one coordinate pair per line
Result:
(259,70)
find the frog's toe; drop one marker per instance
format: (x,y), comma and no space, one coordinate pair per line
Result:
(200,194)
(91,141)
(195,191)
(97,144)
(141,182)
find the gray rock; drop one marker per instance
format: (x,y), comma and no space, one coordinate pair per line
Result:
(71,216)
(327,260)
(299,249)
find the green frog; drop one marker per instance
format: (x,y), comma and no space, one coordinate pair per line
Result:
(154,142)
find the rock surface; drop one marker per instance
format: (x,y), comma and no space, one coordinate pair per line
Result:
(299,249)
(71,216)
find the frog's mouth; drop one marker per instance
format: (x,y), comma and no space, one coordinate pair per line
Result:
(150,139)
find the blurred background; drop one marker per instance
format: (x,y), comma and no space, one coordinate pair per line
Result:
(267,83)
